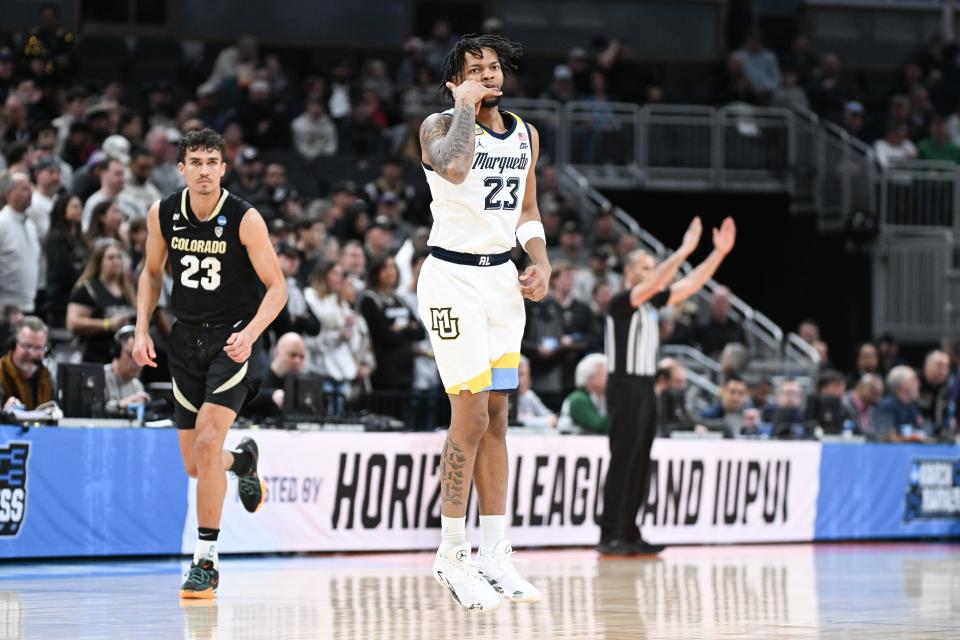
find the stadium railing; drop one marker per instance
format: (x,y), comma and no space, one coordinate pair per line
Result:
(845,178)
(746,149)
(916,285)
(694,360)
(919,195)
(757,148)
(805,133)
(677,148)
(703,374)
(547,116)
(604,136)
(743,148)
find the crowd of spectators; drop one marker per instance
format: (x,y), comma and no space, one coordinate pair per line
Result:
(81,162)
(915,117)
(883,398)
(83,159)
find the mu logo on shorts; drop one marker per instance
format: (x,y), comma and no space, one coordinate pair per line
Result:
(13,486)
(445,325)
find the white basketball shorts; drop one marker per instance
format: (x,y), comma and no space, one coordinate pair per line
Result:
(475,318)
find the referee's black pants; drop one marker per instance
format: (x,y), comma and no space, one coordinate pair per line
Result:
(632,419)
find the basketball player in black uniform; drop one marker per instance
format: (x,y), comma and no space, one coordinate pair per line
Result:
(227,288)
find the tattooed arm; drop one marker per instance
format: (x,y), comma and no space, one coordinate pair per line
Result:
(447,143)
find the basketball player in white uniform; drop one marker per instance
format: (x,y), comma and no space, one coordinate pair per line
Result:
(479,163)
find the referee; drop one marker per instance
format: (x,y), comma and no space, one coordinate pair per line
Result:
(632,340)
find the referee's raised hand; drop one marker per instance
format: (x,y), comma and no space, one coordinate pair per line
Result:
(725,237)
(692,237)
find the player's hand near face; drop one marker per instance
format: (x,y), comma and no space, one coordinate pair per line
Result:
(143,352)
(472,92)
(239,346)
(534,282)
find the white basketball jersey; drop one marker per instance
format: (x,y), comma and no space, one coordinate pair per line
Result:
(480,214)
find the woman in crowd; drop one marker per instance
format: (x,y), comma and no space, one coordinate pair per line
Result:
(394,327)
(67,254)
(531,412)
(105,223)
(102,301)
(137,241)
(341,352)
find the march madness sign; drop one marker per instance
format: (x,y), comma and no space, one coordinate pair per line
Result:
(933,490)
(13,487)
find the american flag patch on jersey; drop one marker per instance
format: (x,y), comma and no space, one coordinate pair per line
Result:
(523,136)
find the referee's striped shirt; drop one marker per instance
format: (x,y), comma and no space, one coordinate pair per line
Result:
(632,336)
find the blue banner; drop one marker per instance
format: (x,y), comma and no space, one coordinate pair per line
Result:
(112,492)
(888,491)
(90,492)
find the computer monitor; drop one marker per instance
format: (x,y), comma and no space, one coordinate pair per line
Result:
(789,423)
(303,398)
(81,390)
(827,411)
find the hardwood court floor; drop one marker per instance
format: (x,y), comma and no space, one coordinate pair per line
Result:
(875,591)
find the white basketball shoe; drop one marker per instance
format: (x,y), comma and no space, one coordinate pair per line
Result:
(498,569)
(454,570)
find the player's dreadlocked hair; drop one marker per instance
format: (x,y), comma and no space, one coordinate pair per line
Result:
(508,52)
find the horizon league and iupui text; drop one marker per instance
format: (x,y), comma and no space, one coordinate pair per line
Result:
(403,491)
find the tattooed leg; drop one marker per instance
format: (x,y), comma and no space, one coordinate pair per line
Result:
(467,426)
(452,462)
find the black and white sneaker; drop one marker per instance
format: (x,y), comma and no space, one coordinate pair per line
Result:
(456,572)
(252,490)
(497,568)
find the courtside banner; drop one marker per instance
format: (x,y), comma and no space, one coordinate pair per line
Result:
(107,492)
(889,491)
(90,492)
(732,491)
(356,491)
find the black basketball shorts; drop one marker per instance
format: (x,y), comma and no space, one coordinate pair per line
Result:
(201,371)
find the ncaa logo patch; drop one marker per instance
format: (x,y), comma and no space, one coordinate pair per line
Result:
(13,487)
(222,221)
(444,324)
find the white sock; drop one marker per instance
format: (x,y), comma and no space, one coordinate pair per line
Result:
(207,550)
(453,532)
(493,529)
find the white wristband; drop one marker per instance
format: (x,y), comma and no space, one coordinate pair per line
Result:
(530,229)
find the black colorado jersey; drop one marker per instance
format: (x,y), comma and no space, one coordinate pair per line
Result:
(214,281)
